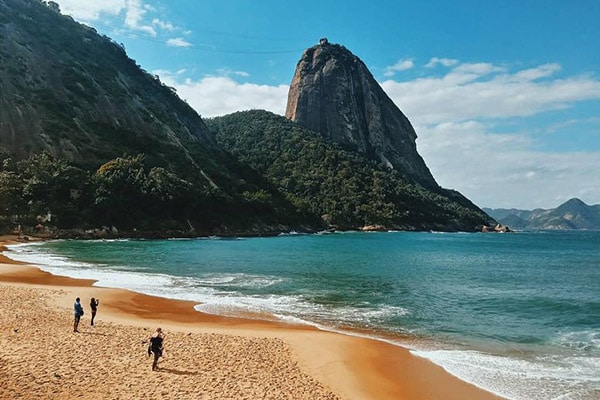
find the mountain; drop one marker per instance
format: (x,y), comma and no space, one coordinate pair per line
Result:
(573,214)
(345,188)
(334,93)
(90,142)
(74,95)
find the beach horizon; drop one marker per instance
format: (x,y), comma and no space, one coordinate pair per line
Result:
(206,356)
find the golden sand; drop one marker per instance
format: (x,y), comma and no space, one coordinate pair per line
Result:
(206,357)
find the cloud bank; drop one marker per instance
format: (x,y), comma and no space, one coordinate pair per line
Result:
(486,91)
(219,95)
(456,117)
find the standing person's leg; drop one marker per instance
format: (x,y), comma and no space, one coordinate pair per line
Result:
(76,323)
(155,363)
(93,316)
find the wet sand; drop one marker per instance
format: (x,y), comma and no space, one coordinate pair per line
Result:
(206,357)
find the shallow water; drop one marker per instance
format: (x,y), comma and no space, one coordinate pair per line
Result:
(517,314)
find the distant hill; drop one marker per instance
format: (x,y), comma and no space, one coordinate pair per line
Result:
(573,214)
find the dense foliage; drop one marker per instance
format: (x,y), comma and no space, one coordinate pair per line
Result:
(127,196)
(343,187)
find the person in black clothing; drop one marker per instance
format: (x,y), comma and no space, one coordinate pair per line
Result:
(78,312)
(94,306)
(156,346)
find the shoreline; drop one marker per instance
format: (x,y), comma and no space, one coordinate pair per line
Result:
(343,366)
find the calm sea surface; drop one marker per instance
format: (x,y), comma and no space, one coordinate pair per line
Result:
(517,314)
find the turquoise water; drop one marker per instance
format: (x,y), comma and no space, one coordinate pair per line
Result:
(517,314)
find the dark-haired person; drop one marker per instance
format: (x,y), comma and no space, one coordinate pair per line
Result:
(94,307)
(78,312)
(156,346)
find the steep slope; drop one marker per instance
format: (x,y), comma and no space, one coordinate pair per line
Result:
(343,187)
(573,214)
(334,93)
(75,95)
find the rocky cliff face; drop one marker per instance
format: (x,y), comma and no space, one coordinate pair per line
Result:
(77,95)
(334,93)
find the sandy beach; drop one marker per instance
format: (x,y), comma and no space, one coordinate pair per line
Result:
(206,357)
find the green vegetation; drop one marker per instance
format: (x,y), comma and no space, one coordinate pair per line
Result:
(129,194)
(79,116)
(281,177)
(346,189)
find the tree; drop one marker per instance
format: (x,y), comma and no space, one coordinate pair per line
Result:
(118,190)
(129,194)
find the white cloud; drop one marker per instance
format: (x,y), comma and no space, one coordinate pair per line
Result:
(178,42)
(91,10)
(476,69)
(132,13)
(230,72)
(219,95)
(446,62)
(401,65)
(134,17)
(502,170)
(543,71)
(165,26)
(472,91)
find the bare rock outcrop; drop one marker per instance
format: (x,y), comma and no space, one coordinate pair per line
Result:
(333,93)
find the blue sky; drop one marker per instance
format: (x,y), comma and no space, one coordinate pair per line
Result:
(504,96)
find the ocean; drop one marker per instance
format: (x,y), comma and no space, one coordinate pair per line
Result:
(517,314)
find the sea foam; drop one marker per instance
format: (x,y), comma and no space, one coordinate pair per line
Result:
(538,378)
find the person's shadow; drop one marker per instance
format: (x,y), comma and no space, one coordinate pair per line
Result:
(176,371)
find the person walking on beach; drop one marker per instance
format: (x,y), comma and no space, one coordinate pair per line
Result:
(94,307)
(78,312)
(156,346)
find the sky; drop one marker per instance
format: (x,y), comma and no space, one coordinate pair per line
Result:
(504,95)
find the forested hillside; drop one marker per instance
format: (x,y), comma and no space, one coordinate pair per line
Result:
(345,188)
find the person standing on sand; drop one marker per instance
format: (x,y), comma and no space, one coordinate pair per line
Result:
(156,346)
(78,311)
(94,307)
